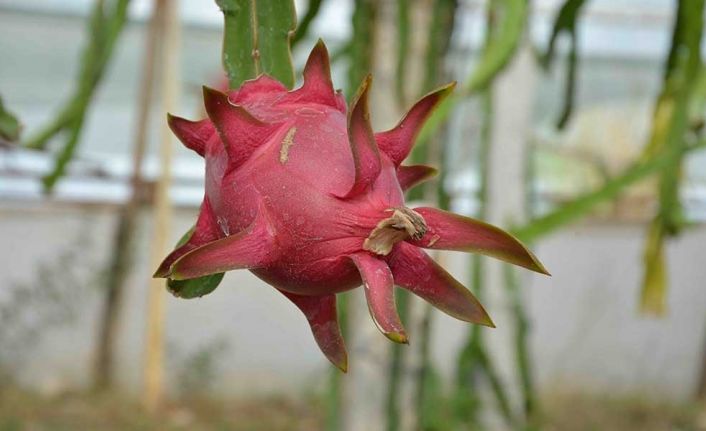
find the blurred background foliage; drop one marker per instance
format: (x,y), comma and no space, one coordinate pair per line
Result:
(675,134)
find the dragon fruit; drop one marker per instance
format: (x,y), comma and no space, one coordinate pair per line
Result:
(300,191)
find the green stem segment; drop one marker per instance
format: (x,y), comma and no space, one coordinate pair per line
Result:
(256,39)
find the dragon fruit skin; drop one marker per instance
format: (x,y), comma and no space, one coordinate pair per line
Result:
(300,191)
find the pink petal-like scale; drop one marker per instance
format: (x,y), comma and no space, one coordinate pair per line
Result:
(320,312)
(205,231)
(398,141)
(415,271)
(449,231)
(410,176)
(379,289)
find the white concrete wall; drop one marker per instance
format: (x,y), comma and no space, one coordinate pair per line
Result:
(586,333)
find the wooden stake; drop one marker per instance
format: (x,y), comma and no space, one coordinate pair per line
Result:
(154,349)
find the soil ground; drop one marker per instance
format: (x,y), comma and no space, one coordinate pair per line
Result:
(23,411)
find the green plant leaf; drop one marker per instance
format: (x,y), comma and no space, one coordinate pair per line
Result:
(257,39)
(9,125)
(195,287)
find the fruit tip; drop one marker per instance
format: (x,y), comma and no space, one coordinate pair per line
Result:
(398,337)
(538,266)
(320,44)
(162,272)
(542,270)
(361,96)
(489,323)
(209,92)
(365,84)
(173,122)
(447,89)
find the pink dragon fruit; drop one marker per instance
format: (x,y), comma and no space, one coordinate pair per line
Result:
(311,201)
